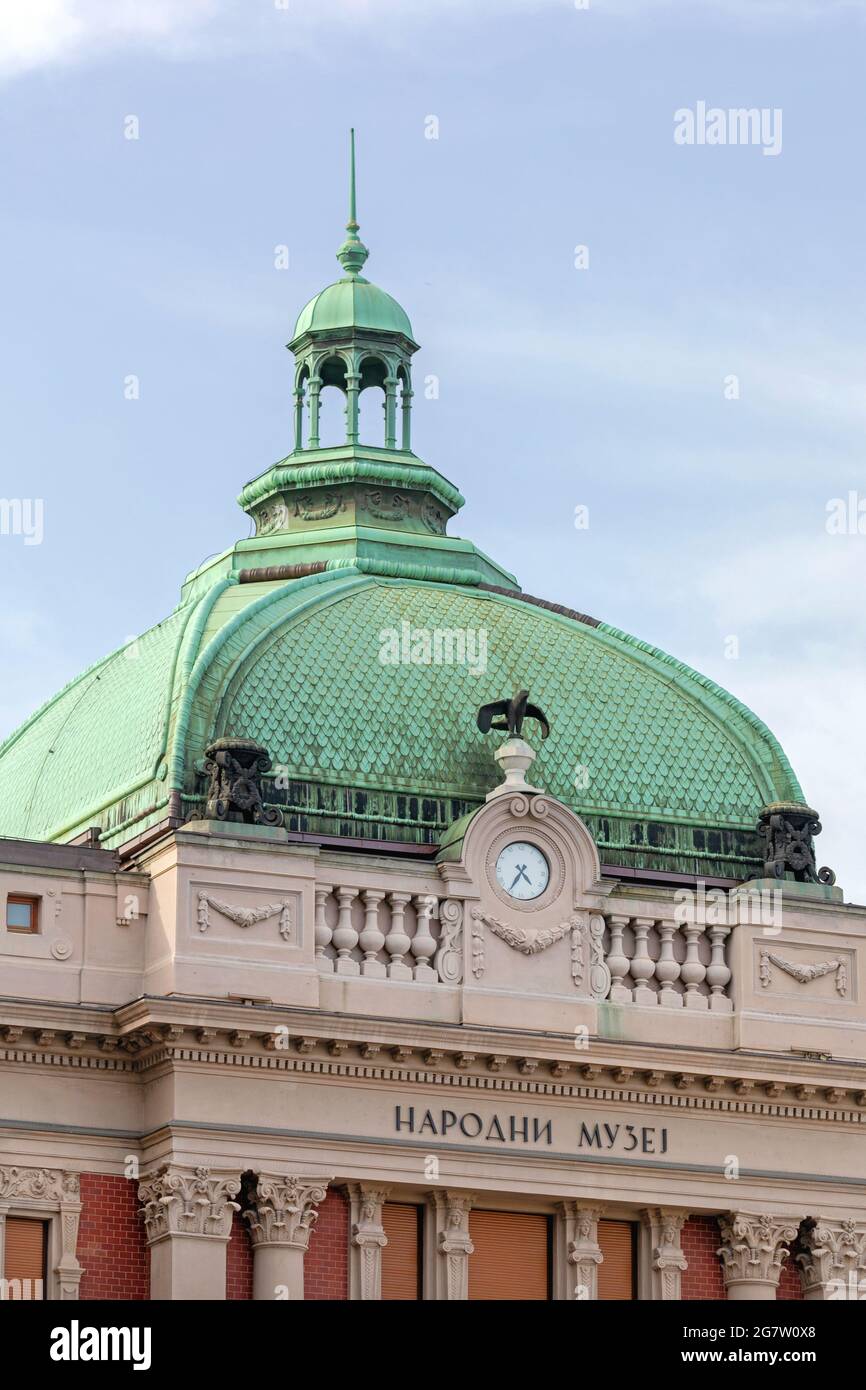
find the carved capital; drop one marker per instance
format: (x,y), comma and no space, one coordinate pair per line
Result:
(187,1202)
(831,1256)
(753,1247)
(283,1210)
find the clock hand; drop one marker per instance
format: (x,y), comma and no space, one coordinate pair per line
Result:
(521,873)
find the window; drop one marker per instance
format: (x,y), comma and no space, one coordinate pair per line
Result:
(22,914)
(25,1259)
(512,1255)
(401,1257)
(616,1273)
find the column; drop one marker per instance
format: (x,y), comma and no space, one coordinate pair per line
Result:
(577,1253)
(390,412)
(188,1219)
(406,407)
(753,1251)
(368,1240)
(315,387)
(299,418)
(662,1259)
(281,1215)
(353,387)
(832,1260)
(453,1245)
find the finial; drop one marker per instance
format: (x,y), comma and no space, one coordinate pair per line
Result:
(514,756)
(353,253)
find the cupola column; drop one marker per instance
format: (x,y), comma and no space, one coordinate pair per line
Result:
(353,388)
(299,418)
(390,412)
(315,389)
(406,407)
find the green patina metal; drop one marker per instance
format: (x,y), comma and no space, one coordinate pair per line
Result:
(363,680)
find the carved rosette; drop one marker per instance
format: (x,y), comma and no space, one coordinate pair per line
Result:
(753,1247)
(283,1210)
(187,1202)
(832,1260)
(453,1244)
(667,1261)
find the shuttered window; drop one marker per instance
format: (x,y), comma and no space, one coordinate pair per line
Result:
(616,1273)
(401,1257)
(24,1263)
(512,1255)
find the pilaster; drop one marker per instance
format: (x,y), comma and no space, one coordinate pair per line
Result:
(453,1245)
(577,1253)
(662,1261)
(367,1241)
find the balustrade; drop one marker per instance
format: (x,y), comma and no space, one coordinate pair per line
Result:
(658,962)
(376,933)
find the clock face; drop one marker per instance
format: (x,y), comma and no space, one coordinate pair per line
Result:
(522,871)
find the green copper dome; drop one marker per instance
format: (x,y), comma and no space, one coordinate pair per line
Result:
(668,770)
(353,303)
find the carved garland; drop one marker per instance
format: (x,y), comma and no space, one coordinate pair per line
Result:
(803,974)
(531,943)
(244,916)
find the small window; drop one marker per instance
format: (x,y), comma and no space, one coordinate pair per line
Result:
(22,914)
(24,1265)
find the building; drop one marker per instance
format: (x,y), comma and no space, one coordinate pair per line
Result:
(309,992)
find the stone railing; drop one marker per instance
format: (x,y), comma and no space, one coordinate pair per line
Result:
(659,961)
(379,934)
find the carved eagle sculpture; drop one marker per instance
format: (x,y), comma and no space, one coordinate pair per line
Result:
(513,712)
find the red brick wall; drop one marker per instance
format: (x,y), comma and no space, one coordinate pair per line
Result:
(701,1239)
(326,1264)
(789,1283)
(239,1261)
(111,1244)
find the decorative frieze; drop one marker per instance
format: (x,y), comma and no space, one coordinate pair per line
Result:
(187,1202)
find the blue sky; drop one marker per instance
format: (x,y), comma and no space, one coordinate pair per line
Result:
(559,387)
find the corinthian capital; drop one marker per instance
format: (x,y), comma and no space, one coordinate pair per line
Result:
(753,1247)
(283,1210)
(187,1202)
(832,1259)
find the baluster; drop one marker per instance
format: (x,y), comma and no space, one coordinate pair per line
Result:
(642,966)
(692,971)
(617,961)
(372,938)
(322,932)
(423,942)
(718,972)
(397,943)
(667,968)
(345,937)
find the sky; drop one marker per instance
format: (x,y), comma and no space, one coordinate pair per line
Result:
(694,377)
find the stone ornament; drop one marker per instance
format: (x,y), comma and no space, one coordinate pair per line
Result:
(803,974)
(183,1202)
(244,916)
(235,767)
(283,1210)
(667,1261)
(368,1240)
(787,828)
(753,1247)
(582,1248)
(449,957)
(39,1184)
(453,1242)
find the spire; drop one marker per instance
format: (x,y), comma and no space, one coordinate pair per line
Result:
(353,253)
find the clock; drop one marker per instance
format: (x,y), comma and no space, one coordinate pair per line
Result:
(522,871)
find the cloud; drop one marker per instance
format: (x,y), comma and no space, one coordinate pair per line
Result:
(38,34)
